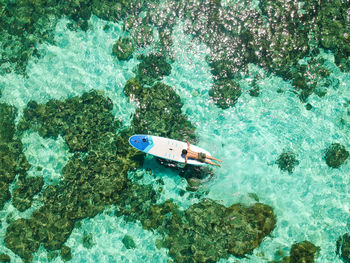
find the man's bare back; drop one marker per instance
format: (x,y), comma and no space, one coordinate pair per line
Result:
(202,157)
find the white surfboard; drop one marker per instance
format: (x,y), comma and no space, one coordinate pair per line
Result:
(165,148)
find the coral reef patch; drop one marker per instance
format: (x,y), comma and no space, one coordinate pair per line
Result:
(95,177)
(128,242)
(159,112)
(92,180)
(25,24)
(66,253)
(123,48)
(88,240)
(26,188)
(343,247)
(205,232)
(287,161)
(73,119)
(336,155)
(225,93)
(4,258)
(152,68)
(12,159)
(302,252)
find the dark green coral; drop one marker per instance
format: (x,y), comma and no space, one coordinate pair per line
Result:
(152,68)
(303,252)
(4,258)
(336,155)
(128,242)
(73,119)
(7,122)
(26,188)
(309,78)
(287,161)
(88,240)
(66,253)
(91,181)
(208,231)
(25,24)
(205,232)
(343,247)
(225,93)
(332,28)
(159,112)
(12,159)
(17,236)
(143,33)
(123,48)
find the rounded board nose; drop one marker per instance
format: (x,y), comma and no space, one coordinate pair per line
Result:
(140,142)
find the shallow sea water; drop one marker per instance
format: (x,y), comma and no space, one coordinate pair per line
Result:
(310,204)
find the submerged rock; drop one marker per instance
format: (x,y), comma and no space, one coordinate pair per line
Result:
(80,120)
(254,92)
(4,258)
(303,252)
(225,93)
(287,161)
(208,231)
(12,159)
(143,34)
(205,232)
(152,68)
(91,181)
(38,20)
(193,184)
(66,253)
(128,242)
(16,238)
(23,195)
(123,48)
(88,240)
(7,122)
(196,175)
(159,112)
(343,247)
(310,78)
(336,155)
(331,30)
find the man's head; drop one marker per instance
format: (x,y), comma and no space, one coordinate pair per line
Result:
(184,151)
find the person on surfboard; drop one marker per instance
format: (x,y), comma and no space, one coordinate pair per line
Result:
(202,157)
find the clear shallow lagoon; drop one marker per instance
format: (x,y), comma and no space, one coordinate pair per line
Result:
(310,204)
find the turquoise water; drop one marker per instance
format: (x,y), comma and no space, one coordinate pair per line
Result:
(310,204)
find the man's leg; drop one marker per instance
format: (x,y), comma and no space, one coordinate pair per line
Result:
(210,162)
(211,157)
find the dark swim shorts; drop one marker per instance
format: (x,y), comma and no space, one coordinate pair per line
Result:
(201,157)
